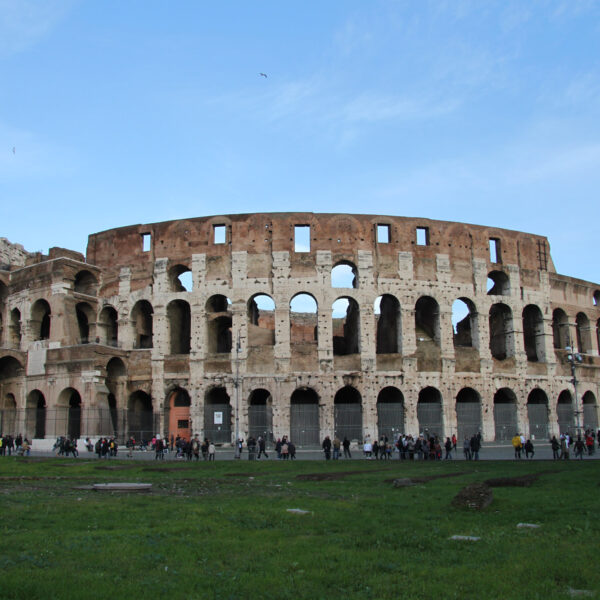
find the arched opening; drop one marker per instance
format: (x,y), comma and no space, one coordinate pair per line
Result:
(565,412)
(501,332)
(85,316)
(217,416)
(584,341)
(3,297)
(429,413)
(390,413)
(344,275)
(537,414)
(427,321)
(505,415)
(15,328)
(140,417)
(560,329)
(261,321)
(219,323)
(8,414)
(348,414)
(464,323)
(596,298)
(40,320)
(85,283)
(108,326)
(590,412)
(179,404)
(113,414)
(141,321)
(180,325)
(70,400)
(180,279)
(115,371)
(498,284)
(346,327)
(533,333)
(260,414)
(35,418)
(387,316)
(304,417)
(303,319)
(468,413)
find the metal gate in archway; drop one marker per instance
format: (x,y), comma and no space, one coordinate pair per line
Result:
(304,423)
(260,421)
(429,415)
(468,419)
(538,420)
(505,421)
(348,420)
(217,422)
(566,417)
(390,419)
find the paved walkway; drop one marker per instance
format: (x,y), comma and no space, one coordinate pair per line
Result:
(489,451)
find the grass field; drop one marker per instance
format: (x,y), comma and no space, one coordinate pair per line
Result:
(222,530)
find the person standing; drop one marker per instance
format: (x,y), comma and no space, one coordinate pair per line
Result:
(327,447)
(346,446)
(211,451)
(261,447)
(448,448)
(336,447)
(516,442)
(467,448)
(555,448)
(529,449)
(475,446)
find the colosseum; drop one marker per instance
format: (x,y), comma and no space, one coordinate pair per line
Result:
(297,324)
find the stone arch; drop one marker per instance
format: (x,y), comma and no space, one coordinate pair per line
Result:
(40,319)
(390,413)
(141,323)
(69,407)
(344,274)
(35,415)
(10,368)
(427,320)
(596,298)
(180,326)
(429,412)
(389,325)
(537,414)
(140,417)
(219,324)
(85,322)
(501,331)
(465,323)
(590,411)
(217,415)
(15,328)
(8,414)
(261,320)
(347,405)
(468,413)
(108,326)
(3,297)
(584,341)
(565,412)
(345,315)
(304,417)
(180,279)
(178,414)
(533,333)
(560,329)
(86,283)
(498,284)
(506,423)
(260,414)
(303,319)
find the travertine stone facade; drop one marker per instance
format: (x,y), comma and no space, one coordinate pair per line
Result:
(169,327)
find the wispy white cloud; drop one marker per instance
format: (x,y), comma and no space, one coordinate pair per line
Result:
(24,22)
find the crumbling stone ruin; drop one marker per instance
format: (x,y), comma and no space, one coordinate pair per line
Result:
(296,324)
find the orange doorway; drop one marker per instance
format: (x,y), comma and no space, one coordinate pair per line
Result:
(179,414)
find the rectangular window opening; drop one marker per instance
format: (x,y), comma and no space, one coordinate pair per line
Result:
(146,241)
(422,236)
(301,238)
(495,250)
(220,234)
(383,234)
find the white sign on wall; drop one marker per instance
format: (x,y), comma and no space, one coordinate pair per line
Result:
(218,418)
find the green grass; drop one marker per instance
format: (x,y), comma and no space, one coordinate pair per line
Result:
(221,530)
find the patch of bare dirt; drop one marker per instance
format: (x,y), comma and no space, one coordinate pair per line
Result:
(520,481)
(333,476)
(475,496)
(426,478)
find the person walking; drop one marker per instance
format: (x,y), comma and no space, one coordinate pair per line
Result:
(261,447)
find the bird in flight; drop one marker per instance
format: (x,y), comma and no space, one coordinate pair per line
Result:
(263,75)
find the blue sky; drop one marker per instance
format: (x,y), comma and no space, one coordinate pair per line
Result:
(124,112)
